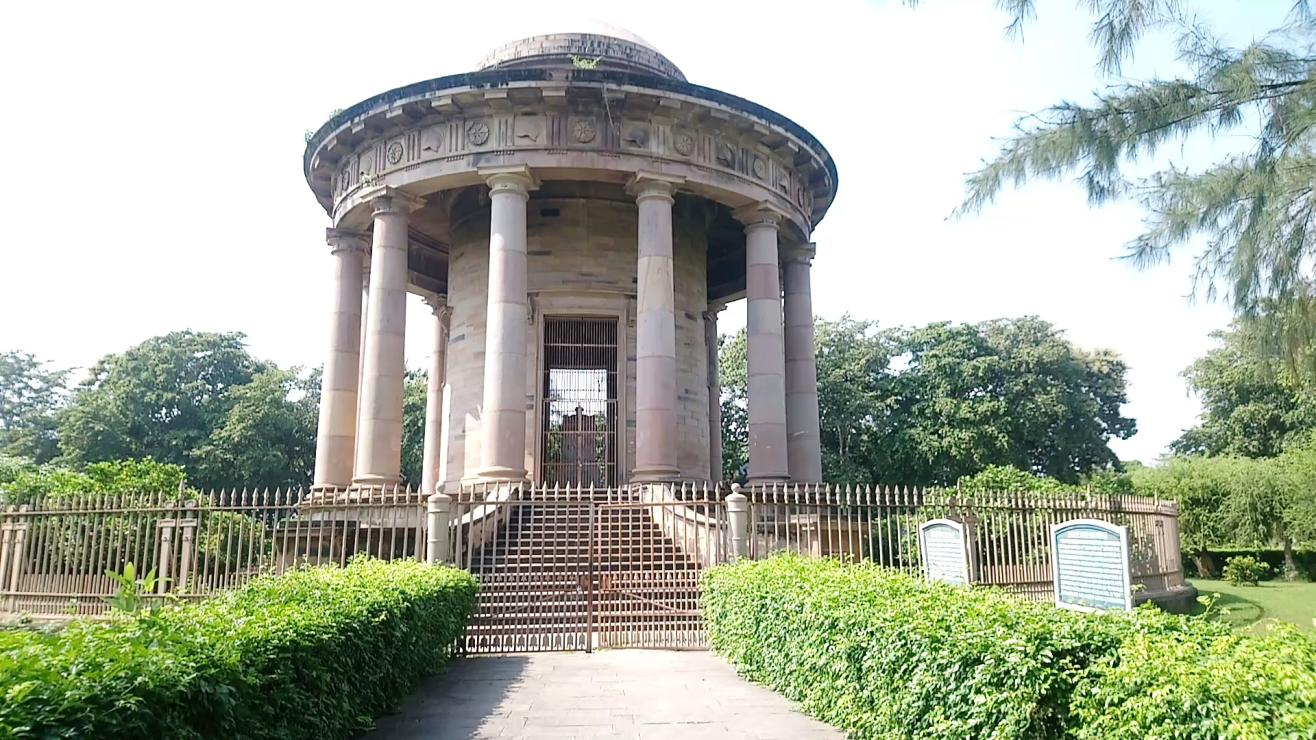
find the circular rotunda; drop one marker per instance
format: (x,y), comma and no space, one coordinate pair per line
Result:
(577,214)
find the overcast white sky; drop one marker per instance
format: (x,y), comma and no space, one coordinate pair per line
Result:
(153,177)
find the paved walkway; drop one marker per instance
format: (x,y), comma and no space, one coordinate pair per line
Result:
(634,694)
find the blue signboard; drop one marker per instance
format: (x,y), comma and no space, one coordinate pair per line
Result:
(943,544)
(1090,565)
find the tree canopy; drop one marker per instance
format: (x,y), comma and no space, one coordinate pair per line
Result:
(1251,405)
(1253,209)
(30,394)
(187,400)
(267,437)
(932,404)
(161,399)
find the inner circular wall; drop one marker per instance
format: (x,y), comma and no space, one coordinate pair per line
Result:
(581,259)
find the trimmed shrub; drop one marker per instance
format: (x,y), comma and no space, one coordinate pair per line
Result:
(1245,569)
(314,653)
(881,654)
(1305,560)
(1231,686)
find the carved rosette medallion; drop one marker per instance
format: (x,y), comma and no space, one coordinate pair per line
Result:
(394,152)
(477,133)
(683,142)
(583,130)
(760,168)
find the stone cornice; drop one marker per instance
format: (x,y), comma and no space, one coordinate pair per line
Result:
(540,113)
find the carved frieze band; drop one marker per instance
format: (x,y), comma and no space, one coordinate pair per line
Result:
(567,131)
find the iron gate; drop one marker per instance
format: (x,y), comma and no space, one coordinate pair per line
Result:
(576,569)
(579,413)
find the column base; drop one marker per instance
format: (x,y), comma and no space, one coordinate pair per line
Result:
(769,480)
(376,481)
(654,475)
(501,474)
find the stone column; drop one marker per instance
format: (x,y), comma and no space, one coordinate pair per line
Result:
(379,446)
(766,363)
(434,431)
(803,445)
(361,344)
(655,330)
(714,393)
(335,438)
(502,417)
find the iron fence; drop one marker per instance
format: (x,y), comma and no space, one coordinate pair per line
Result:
(574,566)
(1009,533)
(56,551)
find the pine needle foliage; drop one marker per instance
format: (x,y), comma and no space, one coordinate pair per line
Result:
(1254,210)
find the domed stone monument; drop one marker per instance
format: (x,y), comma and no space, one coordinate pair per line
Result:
(576,213)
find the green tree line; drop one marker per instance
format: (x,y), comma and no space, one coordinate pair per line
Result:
(932,404)
(192,401)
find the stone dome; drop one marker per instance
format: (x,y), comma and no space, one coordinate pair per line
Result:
(600,46)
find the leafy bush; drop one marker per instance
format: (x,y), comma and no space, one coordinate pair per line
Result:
(313,653)
(880,654)
(1231,686)
(1305,560)
(11,467)
(145,476)
(1242,569)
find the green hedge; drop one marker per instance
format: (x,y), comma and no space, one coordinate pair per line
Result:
(880,654)
(314,653)
(1306,561)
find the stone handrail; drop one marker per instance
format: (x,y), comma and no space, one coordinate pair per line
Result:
(697,535)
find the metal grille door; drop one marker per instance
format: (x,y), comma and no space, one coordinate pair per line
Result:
(579,414)
(563,568)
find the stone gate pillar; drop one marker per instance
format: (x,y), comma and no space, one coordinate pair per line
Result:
(431,457)
(655,330)
(379,446)
(766,368)
(803,444)
(502,416)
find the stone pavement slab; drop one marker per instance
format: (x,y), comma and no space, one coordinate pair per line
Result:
(632,694)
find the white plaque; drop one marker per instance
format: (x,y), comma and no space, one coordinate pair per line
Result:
(1090,565)
(943,545)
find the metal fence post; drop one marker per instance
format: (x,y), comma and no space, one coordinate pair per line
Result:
(438,508)
(738,517)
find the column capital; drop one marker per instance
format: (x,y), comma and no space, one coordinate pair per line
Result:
(802,253)
(516,179)
(645,184)
(759,215)
(713,310)
(438,303)
(346,240)
(388,199)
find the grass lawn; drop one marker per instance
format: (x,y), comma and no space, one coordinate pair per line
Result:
(1251,608)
